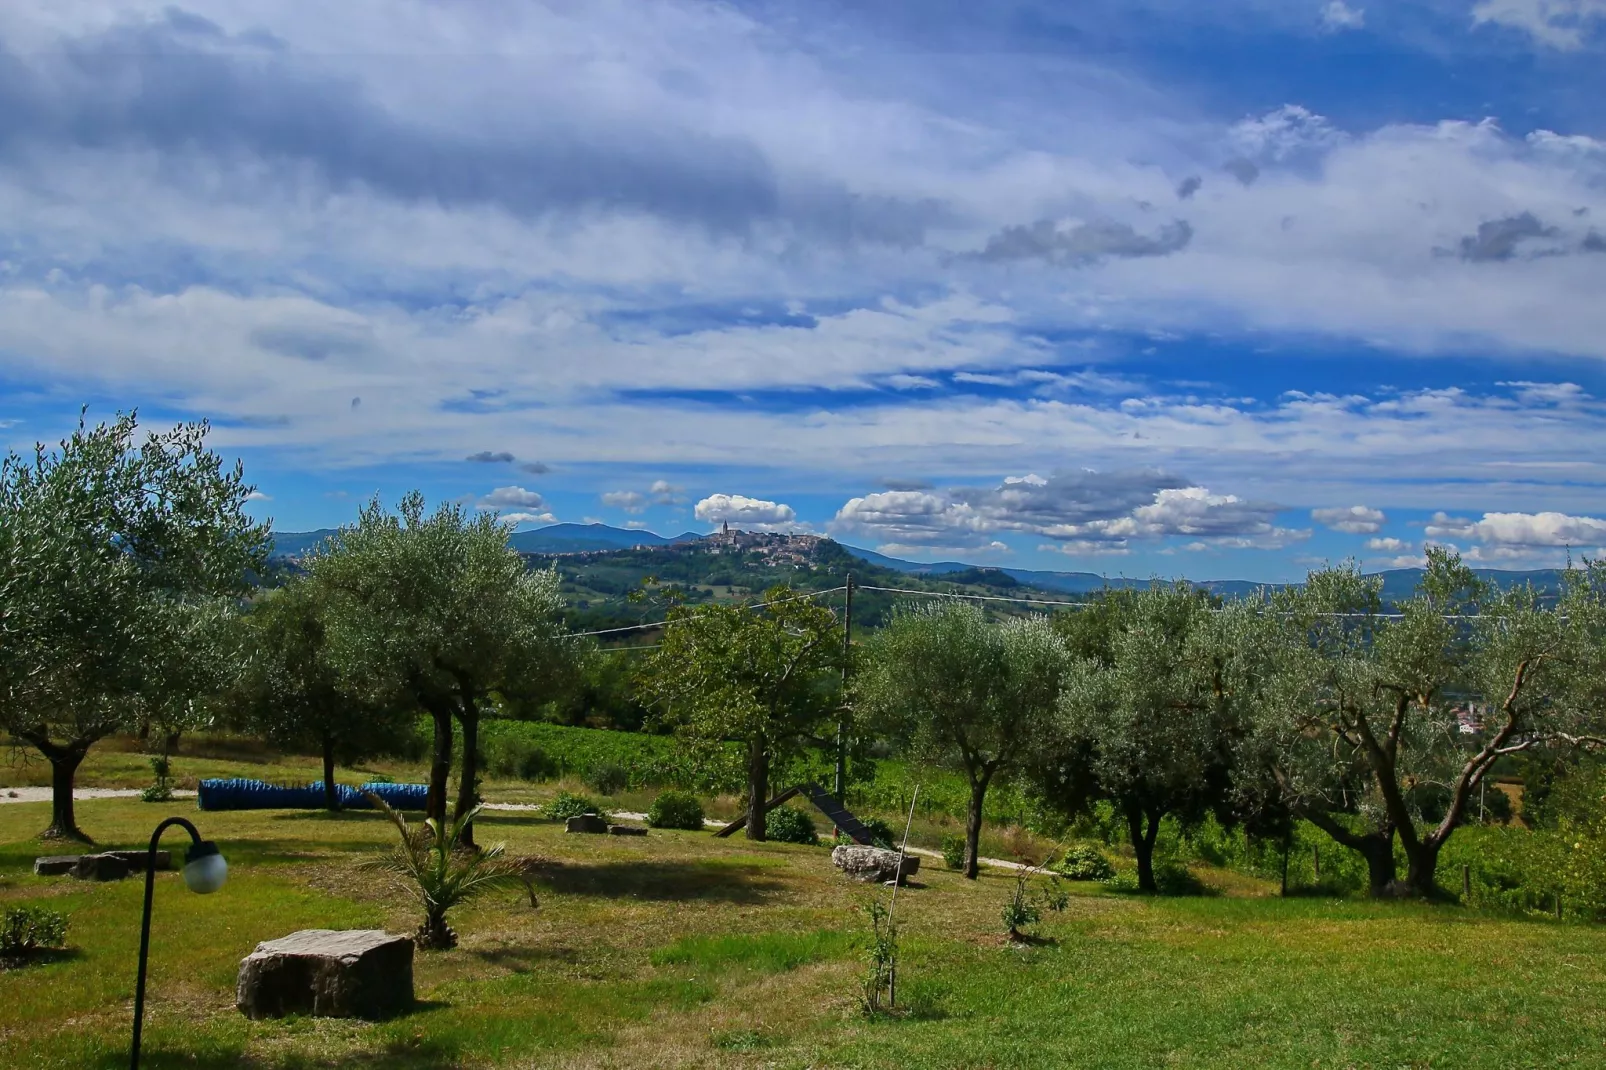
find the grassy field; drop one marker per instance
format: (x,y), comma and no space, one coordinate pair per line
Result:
(682,950)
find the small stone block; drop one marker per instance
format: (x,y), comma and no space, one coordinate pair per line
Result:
(54,865)
(103,867)
(585,823)
(328,973)
(626,830)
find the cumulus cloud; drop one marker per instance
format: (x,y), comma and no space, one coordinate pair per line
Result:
(753,514)
(1338,15)
(1079,509)
(1558,24)
(1521,529)
(1355,520)
(629,500)
(1388,545)
(1084,243)
(512,498)
(258,496)
(517,518)
(661,492)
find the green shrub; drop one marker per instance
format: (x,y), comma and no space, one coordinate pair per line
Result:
(953,851)
(607,778)
(509,755)
(676,810)
(786,825)
(26,931)
(162,790)
(1084,862)
(567,805)
(880,833)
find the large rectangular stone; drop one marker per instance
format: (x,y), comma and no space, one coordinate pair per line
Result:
(329,973)
(163,859)
(101,867)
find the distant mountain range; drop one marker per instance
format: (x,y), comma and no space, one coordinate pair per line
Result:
(1398,583)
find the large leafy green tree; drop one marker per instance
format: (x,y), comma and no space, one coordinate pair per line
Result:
(950,686)
(1355,721)
(436,612)
(1149,717)
(115,555)
(766,676)
(291,692)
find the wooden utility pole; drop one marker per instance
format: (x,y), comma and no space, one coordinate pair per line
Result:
(841,782)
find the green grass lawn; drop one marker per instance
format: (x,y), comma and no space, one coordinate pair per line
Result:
(682,950)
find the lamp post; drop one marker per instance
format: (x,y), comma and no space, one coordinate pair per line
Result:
(204,873)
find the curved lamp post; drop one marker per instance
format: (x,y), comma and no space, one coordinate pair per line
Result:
(204,873)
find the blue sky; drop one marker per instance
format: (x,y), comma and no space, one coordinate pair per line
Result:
(1148,287)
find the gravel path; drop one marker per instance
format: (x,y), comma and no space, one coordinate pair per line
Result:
(26,795)
(34,794)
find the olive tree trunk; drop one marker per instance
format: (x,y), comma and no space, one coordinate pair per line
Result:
(64,762)
(978,797)
(1143,836)
(758,788)
(331,797)
(440,762)
(467,785)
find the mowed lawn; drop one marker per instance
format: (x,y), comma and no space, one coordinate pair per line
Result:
(682,950)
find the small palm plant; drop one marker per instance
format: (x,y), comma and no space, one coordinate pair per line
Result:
(443,874)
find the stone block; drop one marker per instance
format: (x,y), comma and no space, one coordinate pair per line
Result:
(101,867)
(585,823)
(54,865)
(626,830)
(328,973)
(873,864)
(136,859)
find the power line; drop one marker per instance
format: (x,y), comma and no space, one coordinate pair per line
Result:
(666,623)
(974,597)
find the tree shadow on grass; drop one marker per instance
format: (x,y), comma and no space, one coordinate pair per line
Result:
(42,957)
(526,959)
(657,880)
(399,1055)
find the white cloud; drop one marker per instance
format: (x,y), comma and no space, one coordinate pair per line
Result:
(1338,15)
(753,514)
(1388,545)
(1521,529)
(512,498)
(628,500)
(258,496)
(898,549)
(518,518)
(1080,509)
(1356,520)
(1560,24)
(1086,548)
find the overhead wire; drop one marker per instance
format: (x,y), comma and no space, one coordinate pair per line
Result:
(665,623)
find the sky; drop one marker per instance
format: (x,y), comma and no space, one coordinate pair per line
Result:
(1135,287)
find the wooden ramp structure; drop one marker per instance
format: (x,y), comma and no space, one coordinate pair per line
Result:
(824,802)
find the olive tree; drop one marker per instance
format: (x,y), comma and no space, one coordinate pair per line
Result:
(950,686)
(767,677)
(1149,716)
(1355,721)
(115,554)
(436,612)
(291,692)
